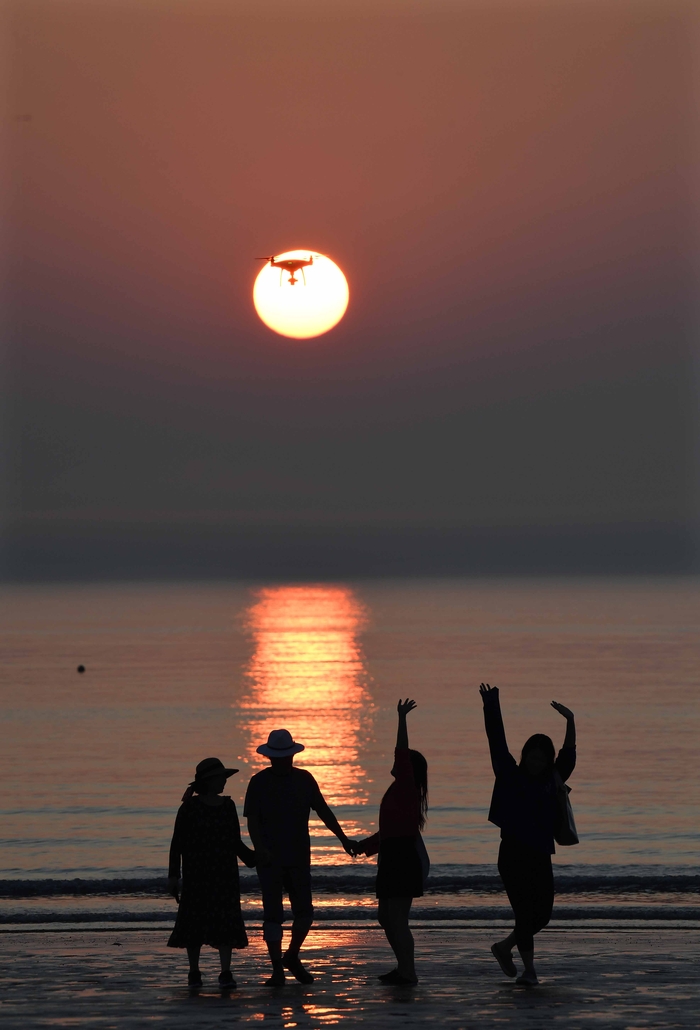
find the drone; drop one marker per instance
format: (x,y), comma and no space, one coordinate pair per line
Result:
(290,265)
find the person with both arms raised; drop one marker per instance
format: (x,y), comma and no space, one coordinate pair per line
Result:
(525,806)
(277,806)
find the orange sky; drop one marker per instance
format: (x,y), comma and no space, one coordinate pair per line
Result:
(508,188)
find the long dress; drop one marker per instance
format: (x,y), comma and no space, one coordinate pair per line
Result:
(208,840)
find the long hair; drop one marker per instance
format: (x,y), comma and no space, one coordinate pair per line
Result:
(420,775)
(546,746)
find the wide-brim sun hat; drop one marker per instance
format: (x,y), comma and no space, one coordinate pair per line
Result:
(210,767)
(280,744)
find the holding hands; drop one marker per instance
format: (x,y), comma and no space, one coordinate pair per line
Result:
(351,846)
(360,847)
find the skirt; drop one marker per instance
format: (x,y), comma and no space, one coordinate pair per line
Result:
(399,871)
(209,913)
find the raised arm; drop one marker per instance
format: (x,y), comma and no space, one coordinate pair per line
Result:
(566,759)
(403,708)
(501,758)
(570,737)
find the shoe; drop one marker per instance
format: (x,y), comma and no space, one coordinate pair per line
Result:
(527,980)
(226,981)
(387,977)
(505,961)
(194,979)
(297,969)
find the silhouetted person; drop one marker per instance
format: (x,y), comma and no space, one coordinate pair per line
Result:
(277,806)
(207,837)
(403,861)
(524,805)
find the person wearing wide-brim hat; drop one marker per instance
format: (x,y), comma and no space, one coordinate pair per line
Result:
(277,805)
(207,839)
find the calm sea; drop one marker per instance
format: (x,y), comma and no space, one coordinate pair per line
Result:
(93,765)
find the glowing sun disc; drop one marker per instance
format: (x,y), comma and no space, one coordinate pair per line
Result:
(301,310)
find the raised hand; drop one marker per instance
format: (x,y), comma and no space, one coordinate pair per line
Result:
(488,693)
(404,707)
(563,710)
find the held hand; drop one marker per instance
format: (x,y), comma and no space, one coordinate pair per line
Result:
(350,847)
(263,855)
(563,710)
(488,693)
(252,860)
(173,884)
(404,707)
(358,848)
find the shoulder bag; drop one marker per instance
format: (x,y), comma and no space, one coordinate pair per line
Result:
(564,825)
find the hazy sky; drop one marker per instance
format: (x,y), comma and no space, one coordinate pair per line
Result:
(508,188)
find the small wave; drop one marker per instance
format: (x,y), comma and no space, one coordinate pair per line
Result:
(563,913)
(360,881)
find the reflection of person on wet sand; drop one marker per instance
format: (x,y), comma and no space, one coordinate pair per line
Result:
(277,806)
(524,805)
(403,860)
(207,838)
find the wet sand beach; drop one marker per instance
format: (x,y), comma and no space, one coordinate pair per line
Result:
(129,979)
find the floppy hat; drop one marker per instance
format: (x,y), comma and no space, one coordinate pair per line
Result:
(280,745)
(211,767)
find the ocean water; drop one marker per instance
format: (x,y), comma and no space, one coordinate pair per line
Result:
(93,766)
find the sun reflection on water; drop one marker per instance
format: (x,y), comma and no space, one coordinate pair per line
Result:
(307,674)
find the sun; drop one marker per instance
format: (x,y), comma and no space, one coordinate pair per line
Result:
(308,307)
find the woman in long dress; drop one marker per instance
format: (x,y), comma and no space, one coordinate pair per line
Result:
(524,805)
(207,840)
(403,861)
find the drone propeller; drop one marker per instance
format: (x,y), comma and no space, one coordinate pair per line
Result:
(271,258)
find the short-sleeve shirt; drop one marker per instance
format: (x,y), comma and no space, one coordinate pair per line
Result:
(282,804)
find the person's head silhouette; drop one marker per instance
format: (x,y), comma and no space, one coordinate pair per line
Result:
(280,749)
(537,755)
(209,778)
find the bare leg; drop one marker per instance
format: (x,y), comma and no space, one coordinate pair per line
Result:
(194,977)
(225,957)
(274,949)
(193,956)
(299,934)
(393,917)
(291,959)
(529,974)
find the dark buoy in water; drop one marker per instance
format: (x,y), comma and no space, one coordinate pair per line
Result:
(81,668)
